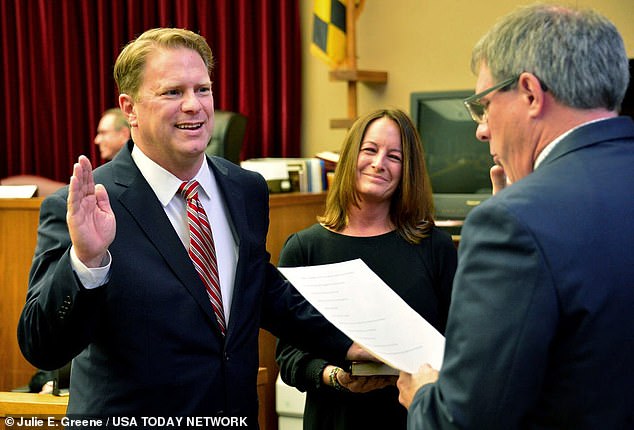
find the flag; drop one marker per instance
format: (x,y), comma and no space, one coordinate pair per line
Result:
(329,30)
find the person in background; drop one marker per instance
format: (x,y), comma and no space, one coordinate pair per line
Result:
(541,329)
(113,132)
(44,381)
(380,210)
(117,284)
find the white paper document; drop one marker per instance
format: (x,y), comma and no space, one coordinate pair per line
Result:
(361,305)
(17,191)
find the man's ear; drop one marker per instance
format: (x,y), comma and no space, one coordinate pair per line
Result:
(126,103)
(531,89)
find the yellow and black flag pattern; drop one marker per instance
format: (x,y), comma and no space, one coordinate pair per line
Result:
(329,31)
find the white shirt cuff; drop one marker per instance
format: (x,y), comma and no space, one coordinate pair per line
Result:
(90,278)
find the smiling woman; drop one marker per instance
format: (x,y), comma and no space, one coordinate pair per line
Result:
(379,167)
(379,209)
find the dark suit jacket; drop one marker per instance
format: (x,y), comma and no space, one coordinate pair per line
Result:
(541,325)
(146,343)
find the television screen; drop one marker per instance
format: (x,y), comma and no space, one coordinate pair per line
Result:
(457,162)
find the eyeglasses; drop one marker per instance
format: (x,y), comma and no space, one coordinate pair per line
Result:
(478,110)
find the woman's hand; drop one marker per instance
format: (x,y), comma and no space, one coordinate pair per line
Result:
(341,380)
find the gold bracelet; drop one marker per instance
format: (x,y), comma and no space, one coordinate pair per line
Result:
(334,382)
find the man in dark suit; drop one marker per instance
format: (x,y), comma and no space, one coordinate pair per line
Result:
(541,326)
(112,284)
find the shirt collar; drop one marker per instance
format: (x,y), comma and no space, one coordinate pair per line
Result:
(548,148)
(165,184)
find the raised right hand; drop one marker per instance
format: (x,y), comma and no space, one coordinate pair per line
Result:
(91,222)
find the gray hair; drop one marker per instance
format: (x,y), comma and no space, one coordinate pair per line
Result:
(577,54)
(120,118)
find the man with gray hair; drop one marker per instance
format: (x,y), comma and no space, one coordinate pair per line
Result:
(113,132)
(541,327)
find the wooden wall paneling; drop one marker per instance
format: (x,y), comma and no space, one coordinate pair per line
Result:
(18,233)
(288,213)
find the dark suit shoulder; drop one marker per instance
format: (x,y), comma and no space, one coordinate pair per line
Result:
(234,177)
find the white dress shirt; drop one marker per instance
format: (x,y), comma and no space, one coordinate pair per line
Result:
(165,185)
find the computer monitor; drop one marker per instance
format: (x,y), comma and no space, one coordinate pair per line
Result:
(457,162)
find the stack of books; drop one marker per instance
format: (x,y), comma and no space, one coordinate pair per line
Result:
(306,175)
(330,159)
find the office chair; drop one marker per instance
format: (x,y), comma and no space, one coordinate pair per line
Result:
(228,135)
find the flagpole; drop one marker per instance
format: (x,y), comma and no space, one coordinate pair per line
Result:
(348,71)
(351,55)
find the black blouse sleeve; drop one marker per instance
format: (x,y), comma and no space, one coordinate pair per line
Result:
(297,368)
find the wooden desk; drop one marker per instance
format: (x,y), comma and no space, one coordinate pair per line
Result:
(452,227)
(18,232)
(28,405)
(31,404)
(288,213)
(43,406)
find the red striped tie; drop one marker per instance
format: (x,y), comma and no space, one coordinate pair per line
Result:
(201,248)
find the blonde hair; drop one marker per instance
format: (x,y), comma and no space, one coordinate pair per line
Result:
(128,68)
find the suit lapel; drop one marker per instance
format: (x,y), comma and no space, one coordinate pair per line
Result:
(136,196)
(232,197)
(234,201)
